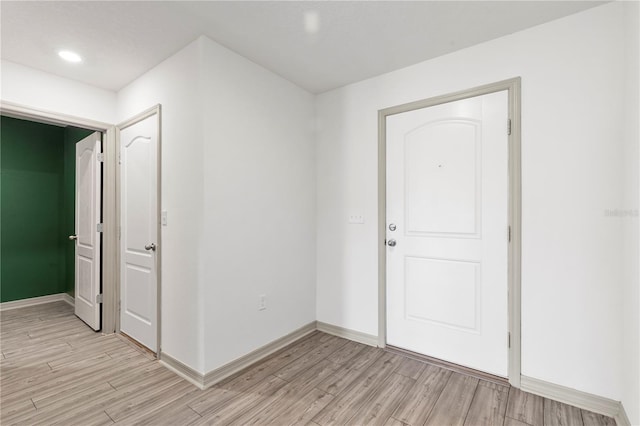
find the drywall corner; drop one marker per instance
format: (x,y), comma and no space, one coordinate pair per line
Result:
(259,201)
(174,84)
(630,296)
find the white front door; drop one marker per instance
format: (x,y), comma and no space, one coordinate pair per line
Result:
(447,214)
(139,231)
(88,237)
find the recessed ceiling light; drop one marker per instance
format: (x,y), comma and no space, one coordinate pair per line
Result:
(69,56)
(311,22)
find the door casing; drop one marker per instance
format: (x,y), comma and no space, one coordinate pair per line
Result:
(133,120)
(512,86)
(109,235)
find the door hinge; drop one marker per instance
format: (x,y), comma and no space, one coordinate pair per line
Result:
(509,340)
(99,298)
(99,227)
(119,158)
(100,157)
(509,233)
(508,126)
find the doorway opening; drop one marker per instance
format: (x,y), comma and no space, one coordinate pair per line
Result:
(40,205)
(437,221)
(110,269)
(105,272)
(140,248)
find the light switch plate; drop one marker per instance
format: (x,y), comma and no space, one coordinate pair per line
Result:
(163,218)
(356,219)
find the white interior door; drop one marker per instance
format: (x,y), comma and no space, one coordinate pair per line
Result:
(88,237)
(447,214)
(139,231)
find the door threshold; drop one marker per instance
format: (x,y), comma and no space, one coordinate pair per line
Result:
(502,381)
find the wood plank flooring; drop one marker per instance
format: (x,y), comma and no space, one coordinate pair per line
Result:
(54,370)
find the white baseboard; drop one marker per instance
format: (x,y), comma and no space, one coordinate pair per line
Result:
(182,370)
(215,376)
(621,418)
(584,400)
(32,301)
(204,381)
(356,336)
(67,298)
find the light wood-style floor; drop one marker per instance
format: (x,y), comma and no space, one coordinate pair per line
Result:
(55,370)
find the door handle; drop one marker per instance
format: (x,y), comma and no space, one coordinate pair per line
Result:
(151,247)
(73,237)
(391,243)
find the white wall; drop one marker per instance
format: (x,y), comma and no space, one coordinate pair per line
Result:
(238,183)
(36,89)
(631,251)
(572,74)
(259,205)
(175,84)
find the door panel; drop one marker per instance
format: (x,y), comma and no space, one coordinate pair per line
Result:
(139,230)
(88,239)
(447,195)
(441,179)
(432,286)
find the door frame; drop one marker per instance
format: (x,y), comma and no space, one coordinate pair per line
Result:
(154,110)
(109,236)
(513,88)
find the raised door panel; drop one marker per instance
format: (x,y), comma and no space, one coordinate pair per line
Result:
(442,185)
(139,232)
(447,180)
(88,212)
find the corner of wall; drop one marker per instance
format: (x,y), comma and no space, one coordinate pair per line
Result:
(259,203)
(630,297)
(175,85)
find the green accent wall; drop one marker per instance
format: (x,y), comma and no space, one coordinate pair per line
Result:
(37,196)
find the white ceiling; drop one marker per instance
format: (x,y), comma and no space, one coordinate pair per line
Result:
(355,39)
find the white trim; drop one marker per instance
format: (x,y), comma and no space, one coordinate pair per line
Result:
(621,418)
(33,301)
(149,112)
(110,243)
(14,110)
(512,86)
(215,376)
(109,236)
(356,336)
(204,381)
(69,299)
(182,370)
(139,117)
(584,400)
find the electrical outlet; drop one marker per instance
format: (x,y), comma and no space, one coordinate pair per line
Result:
(163,218)
(262,302)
